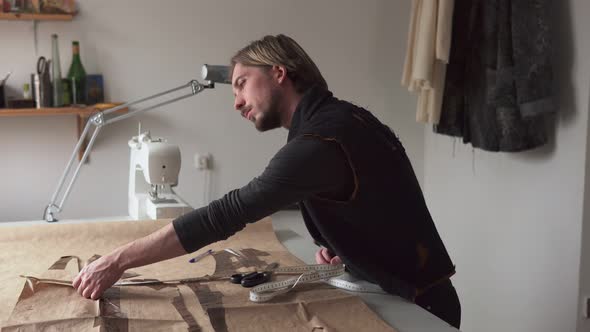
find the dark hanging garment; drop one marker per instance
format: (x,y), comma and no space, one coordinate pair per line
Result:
(498,88)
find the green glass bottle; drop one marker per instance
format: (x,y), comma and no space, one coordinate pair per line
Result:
(56,73)
(77,76)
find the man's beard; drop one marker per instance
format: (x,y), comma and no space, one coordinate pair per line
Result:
(269,118)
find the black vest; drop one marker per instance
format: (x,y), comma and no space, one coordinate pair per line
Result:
(383,232)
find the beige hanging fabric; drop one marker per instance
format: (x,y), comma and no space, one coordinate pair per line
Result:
(172,295)
(427,55)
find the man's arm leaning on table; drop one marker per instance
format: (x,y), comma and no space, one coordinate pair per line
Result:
(95,278)
(303,167)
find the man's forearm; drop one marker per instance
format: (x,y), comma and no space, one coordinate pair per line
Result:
(101,274)
(158,246)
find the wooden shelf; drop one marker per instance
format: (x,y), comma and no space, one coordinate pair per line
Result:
(36,17)
(82,111)
(82,114)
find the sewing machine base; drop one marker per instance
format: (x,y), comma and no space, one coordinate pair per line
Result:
(168,206)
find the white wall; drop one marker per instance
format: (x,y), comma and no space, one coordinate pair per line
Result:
(144,47)
(513,222)
(583,100)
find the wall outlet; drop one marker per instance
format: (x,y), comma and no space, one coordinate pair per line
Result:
(203,161)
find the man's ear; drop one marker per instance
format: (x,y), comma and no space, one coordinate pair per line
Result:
(279,73)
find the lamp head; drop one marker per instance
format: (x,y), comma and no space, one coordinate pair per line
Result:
(216,73)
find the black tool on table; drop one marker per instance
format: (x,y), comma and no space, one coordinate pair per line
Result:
(250,279)
(253,278)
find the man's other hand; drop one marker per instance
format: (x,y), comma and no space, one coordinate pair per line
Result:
(323,256)
(97,277)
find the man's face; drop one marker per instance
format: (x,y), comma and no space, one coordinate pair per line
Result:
(257,96)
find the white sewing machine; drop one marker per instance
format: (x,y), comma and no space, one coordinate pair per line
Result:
(153,171)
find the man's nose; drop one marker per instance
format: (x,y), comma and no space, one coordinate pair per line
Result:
(239,103)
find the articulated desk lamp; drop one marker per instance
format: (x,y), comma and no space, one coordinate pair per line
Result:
(212,74)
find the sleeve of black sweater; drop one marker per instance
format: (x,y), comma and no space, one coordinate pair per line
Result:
(303,167)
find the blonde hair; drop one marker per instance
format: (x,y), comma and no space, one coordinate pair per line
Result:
(282,51)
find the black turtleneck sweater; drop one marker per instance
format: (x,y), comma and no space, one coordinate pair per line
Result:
(305,166)
(359,197)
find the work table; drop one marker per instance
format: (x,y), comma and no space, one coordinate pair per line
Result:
(291,232)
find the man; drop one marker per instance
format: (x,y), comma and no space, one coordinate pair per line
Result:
(357,191)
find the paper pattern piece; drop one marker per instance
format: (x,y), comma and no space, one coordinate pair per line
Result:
(46,300)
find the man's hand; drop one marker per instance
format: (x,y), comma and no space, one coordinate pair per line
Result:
(97,277)
(323,256)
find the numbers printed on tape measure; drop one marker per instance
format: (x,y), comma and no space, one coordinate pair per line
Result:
(309,273)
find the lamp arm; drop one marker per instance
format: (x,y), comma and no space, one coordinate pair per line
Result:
(98,120)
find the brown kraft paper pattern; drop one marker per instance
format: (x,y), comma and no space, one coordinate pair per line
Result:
(47,301)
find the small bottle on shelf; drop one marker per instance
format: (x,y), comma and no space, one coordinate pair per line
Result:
(66,96)
(27,91)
